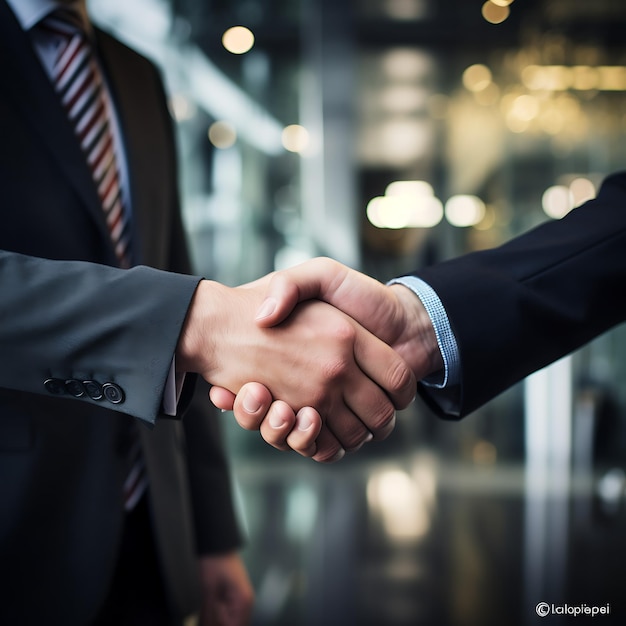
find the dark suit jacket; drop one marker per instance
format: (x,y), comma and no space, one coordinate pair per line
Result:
(519,307)
(66,315)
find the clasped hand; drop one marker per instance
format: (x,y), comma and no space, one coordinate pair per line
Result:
(333,354)
(331,383)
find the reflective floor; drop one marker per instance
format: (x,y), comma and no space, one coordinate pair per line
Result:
(399,535)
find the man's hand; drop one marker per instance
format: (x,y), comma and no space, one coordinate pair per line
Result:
(394,314)
(227,595)
(318,357)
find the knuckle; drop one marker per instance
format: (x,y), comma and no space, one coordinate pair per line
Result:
(334,369)
(343,332)
(354,445)
(401,380)
(354,438)
(325,263)
(342,338)
(383,420)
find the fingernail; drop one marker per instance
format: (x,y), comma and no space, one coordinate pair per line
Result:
(340,454)
(304,422)
(250,403)
(266,309)
(367,439)
(276,421)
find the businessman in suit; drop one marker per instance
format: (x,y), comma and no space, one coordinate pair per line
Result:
(61,461)
(101,328)
(472,326)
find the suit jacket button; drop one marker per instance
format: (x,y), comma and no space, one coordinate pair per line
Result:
(113,393)
(55,386)
(93,389)
(74,388)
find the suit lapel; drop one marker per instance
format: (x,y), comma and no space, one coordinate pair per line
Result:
(25,84)
(141,112)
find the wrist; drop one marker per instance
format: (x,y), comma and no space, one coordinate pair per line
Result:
(421,348)
(195,348)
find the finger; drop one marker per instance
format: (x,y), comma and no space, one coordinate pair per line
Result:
(374,411)
(389,371)
(222,398)
(348,428)
(277,425)
(302,439)
(251,405)
(329,450)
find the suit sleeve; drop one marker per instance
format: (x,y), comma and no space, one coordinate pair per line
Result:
(78,321)
(522,306)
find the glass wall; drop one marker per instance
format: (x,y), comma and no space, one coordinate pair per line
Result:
(390,134)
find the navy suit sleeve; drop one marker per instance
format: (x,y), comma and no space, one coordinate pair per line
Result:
(522,306)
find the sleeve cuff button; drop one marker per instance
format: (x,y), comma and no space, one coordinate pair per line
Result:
(113,393)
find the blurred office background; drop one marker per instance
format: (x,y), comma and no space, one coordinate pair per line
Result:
(389,134)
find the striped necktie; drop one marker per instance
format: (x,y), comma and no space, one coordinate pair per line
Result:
(136,481)
(79,82)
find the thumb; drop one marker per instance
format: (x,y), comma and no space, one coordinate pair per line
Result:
(283,295)
(313,279)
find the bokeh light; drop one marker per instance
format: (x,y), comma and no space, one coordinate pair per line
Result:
(222,135)
(238,40)
(295,138)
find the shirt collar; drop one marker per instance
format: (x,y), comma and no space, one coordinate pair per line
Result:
(30,12)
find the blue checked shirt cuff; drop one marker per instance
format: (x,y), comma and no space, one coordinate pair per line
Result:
(446,340)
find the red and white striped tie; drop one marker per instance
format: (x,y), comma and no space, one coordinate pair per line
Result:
(78,81)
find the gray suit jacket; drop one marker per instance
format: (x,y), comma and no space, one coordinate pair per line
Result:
(66,315)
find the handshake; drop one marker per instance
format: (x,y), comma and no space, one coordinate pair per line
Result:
(317,357)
